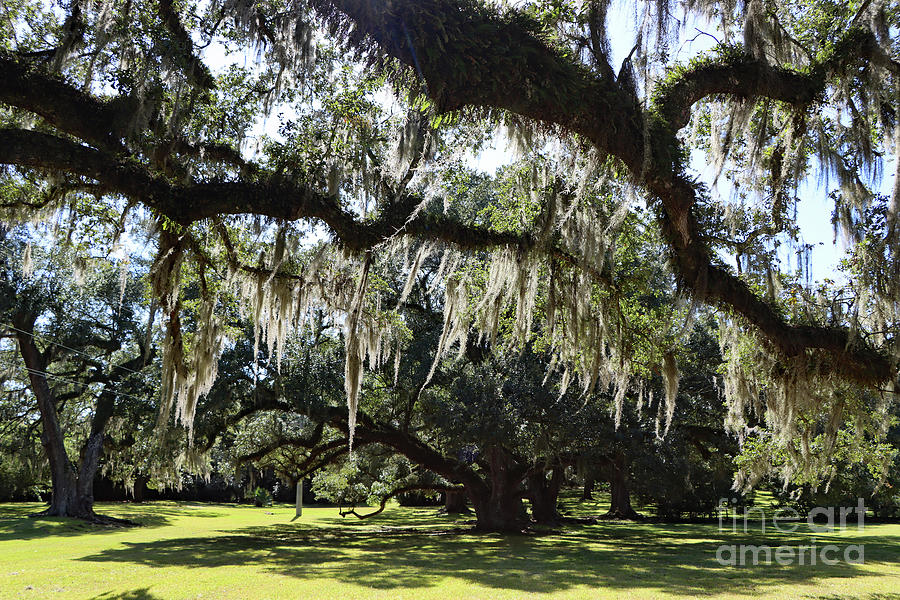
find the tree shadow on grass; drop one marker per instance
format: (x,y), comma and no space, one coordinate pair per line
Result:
(16,522)
(140,594)
(677,559)
(146,513)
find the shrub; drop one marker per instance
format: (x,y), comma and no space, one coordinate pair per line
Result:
(261,496)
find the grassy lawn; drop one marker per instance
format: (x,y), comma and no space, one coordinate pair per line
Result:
(226,551)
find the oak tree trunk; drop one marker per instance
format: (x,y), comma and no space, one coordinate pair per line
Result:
(499,507)
(72,488)
(140,487)
(496,497)
(620,496)
(544,494)
(588,491)
(455,503)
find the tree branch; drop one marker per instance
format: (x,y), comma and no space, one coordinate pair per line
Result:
(469,54)
(505,64)
(401,490)
(184,47)
(267,196)
(739,75)
(63,106)
(736,73)
(309,442)
(368,431)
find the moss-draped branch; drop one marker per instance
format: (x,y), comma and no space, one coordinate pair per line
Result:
(274,197)
(506,66)
(731,71)
(465,54)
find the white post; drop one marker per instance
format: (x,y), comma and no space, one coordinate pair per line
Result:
(299,497)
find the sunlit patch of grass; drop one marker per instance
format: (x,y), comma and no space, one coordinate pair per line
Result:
(187,550)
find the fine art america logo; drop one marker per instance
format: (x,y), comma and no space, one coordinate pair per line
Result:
(788,520)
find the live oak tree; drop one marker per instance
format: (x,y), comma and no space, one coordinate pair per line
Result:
(301,431)
(494,425)
(79,348)
(291,419)
(120,102)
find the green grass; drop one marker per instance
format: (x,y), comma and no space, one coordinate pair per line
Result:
(239,552)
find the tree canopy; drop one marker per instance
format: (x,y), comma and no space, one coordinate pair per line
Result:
(151,116)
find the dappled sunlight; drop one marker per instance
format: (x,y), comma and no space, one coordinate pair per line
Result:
(241,551)
(17,522)
(416,548)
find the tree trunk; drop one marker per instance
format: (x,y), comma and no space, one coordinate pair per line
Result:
(544,494)
(499,507)
(498,512)
(140,486)
(620,497)
(588,491)
(72,491)
(455,503)
(90,464)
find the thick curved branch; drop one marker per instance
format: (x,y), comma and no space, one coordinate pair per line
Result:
(104,124)
(741,76)
(470,54)
(63,106)
(736,73)
(841,352)
(272,197)
(402,490)
(370,432)
(504,64)
(837,350)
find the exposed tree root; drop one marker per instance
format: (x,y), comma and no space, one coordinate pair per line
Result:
(622,515)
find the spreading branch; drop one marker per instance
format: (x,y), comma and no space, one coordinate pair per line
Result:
(101,123)
(501,71)
(738,74)
(396,492)
(498,61)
